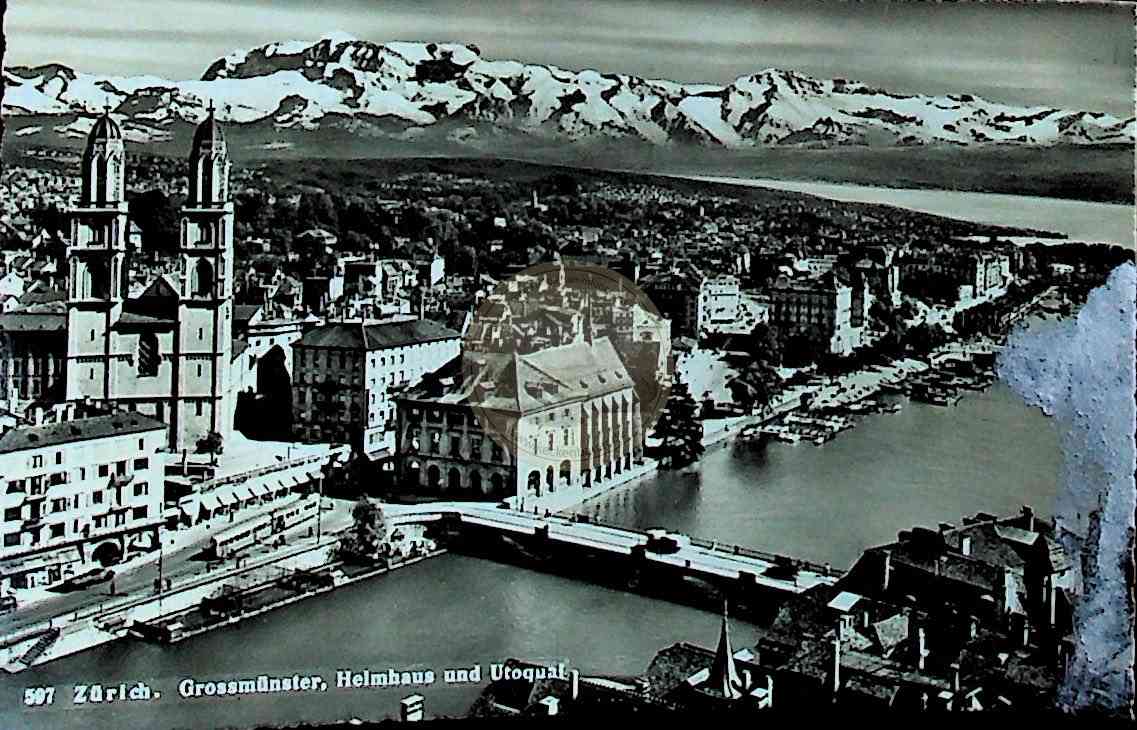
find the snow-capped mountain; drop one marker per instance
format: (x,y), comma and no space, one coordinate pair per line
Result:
(400,89)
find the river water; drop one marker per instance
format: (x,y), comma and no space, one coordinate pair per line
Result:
(922,465)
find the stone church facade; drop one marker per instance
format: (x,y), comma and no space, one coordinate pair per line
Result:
(168,352)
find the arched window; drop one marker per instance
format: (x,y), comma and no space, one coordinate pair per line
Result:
(98,280)
(203,278)
(149,357)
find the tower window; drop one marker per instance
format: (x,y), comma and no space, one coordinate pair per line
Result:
(98,282)
(149,356)
(203,278)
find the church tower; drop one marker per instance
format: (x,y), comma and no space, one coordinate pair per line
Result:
(205,310)
(97,263)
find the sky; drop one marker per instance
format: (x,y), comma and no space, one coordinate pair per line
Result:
(1072,55)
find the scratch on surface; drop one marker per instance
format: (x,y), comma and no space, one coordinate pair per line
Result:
(1080,372)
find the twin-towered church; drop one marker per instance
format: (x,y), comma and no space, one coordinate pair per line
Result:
(167,352)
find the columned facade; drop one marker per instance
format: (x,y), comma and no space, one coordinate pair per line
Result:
(559,438)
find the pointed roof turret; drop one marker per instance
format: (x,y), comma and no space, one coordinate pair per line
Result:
(207,137)
(104,128)
(724,674)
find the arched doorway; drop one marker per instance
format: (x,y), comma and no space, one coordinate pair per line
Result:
(566,473)
(414,475)
(497,483)
(535,482)
(549,479)
(433,476)
(454,479)
(476,482)
(107,554)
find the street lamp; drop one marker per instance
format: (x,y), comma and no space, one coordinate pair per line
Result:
(319,507)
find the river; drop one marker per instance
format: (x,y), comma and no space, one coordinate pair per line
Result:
(922,465)
(1078,220)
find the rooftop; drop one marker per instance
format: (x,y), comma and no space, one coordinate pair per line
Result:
(80,429)
(360,336)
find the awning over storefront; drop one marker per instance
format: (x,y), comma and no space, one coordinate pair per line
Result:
(259,487)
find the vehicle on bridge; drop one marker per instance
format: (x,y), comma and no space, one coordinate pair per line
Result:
(661,541)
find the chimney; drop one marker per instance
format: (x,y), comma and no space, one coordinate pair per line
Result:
(549,706)
(575,683)
(1052,600)
(1028,518)
(887,570)
(955,676)
(921,648)
(965,545)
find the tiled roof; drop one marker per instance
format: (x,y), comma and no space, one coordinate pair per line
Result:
(359,336)
(115,424)
(31,322)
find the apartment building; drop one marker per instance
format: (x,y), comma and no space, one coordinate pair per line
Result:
(82,487)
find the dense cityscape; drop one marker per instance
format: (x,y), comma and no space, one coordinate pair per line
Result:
(226,389)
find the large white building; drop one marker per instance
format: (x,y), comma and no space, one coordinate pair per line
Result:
(81,486)
(565,418)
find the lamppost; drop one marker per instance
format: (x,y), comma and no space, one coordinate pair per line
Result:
(319,507)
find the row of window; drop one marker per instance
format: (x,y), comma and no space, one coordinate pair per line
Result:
(35,484)
(58,530)
(343,357)
(62,504)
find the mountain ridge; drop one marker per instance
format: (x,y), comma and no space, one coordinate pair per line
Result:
(405,89)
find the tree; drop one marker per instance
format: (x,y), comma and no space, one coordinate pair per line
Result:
(924,337)
(211,444)
(763,345)
(365,540)
(680,429)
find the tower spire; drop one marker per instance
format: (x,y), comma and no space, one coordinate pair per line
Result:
(724,674)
